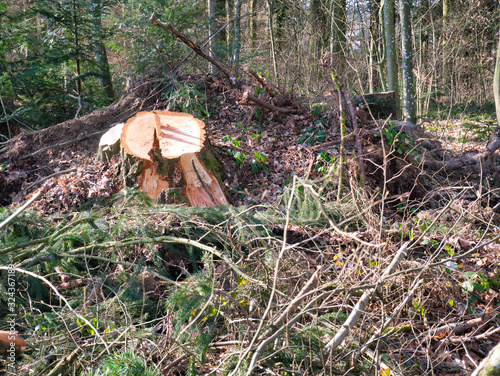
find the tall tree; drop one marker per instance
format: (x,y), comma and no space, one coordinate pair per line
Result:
(100,50)
(339,26)
(319,19)
(237,32)
(270,11)
(211,5)
(407,53)
(390,50)
(496,83)
(252,23)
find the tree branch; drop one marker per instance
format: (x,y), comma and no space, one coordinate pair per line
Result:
(168,26)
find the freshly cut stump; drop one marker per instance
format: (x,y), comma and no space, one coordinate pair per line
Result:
(174,156)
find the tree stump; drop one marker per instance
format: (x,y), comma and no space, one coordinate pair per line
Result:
(166,155)
(110,143)
(381,105)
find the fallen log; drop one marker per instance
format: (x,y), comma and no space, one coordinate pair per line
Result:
(167,154)
(440,159)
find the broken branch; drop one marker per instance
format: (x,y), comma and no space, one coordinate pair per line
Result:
(168,26)
(250,97)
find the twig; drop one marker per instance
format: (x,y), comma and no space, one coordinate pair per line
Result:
(46,281)
(457,340)
(173,363)
(457,328)
(62,366)
(360,306)
(35,197)
(168,26)
(354,121)
(63,144)
(50,176)
(292,306)
(274,287)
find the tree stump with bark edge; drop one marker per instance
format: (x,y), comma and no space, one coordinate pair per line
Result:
(167,154)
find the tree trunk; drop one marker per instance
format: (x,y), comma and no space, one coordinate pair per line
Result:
(444,41)
(74,15)
(211,30)
(237,33)
(319,18)
(496,83)
(252,24)
(407,52)
(390,50)
(339,24)
(271,37)
(100,50)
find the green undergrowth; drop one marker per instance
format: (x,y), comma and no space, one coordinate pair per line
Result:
(132,287)
(207,270)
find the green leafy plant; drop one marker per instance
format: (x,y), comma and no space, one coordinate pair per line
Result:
(239,156)
(186,97)
(323,162)
(257,162)
(476,282)
(312,136)
(316,110)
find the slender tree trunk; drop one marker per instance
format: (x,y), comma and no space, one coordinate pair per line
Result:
(237,33)
(444,73)
(252,24)
(390,51)
(211,30)
(280,10)
(382,52)
(74,12)
(321,26)
(271,37)
(496,84)
(339,24)
(100,49)
(407,52)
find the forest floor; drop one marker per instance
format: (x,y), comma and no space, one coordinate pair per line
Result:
(446,327)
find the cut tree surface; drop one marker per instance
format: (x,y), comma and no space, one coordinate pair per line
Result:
(180,138)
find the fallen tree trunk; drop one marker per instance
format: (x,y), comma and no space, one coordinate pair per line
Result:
(440,159)
(167,156)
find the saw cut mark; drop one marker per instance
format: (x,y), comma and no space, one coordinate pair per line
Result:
(179,134)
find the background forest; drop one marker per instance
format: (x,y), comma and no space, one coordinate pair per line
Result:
(362,236)
(59,59)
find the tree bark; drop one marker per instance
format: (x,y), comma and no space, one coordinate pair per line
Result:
(339,24)
(407,52)
(496,83)
(237,33)
(211,30)
(390,50)
(100,50)
(252,24)
(271,37)
(490,366)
